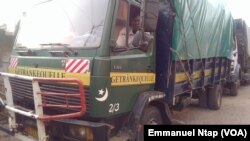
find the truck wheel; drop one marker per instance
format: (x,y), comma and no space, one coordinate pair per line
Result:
(203,100)
(233,89)
(242,78)
(152,116)
(215,97)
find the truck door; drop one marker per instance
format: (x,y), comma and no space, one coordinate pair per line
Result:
(130,63)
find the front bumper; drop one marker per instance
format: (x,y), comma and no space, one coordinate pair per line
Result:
(59,130)
(100,131)
(42,127)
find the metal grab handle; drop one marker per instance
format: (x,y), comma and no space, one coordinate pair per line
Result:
(81,95)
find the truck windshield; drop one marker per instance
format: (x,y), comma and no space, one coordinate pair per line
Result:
(78,23)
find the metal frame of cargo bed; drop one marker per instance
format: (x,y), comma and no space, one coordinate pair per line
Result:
(183,80)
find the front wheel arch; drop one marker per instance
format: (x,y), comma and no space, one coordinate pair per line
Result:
(145,100)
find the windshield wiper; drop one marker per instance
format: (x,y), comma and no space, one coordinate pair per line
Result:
(93,28)
(25,51)
(21,47)
(66,46)
(42,2)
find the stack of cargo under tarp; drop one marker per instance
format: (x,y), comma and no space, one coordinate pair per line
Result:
(241,32)
(202,29)
(242,42)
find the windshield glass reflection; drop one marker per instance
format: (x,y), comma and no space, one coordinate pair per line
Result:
(78,23)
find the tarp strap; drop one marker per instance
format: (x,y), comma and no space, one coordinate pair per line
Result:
(198,46)
(185,71)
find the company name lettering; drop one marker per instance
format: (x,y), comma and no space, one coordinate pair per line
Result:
(132,79)
(39,73)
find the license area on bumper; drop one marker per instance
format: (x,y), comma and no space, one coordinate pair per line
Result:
(27,126)
(31,132)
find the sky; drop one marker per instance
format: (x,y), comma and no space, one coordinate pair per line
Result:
(240,9)
(10,10)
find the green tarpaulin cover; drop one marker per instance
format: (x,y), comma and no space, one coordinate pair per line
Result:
(202,29)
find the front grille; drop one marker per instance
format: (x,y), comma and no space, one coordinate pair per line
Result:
(23,94)
(21,89)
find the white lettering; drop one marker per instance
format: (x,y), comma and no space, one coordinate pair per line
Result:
(205,132)
(150,132)
(233,132)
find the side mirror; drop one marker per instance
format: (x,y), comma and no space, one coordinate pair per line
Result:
(150,12)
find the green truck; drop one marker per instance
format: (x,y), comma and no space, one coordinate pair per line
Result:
(68,80)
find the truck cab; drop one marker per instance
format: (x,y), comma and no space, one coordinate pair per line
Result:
(83,79)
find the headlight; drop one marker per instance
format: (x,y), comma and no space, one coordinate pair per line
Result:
(79,132)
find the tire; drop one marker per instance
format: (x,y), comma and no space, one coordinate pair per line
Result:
(151,116)
(233,89)
(215,97)
(203,100)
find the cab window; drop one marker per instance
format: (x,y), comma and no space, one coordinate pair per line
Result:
(128,34)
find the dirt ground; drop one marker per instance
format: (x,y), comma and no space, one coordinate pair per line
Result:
(234,110)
